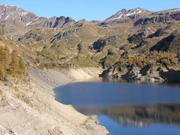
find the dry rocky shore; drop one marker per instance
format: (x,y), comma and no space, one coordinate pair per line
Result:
(28,105)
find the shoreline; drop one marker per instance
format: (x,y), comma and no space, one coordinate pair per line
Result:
(51,79)
(30,107)
(72,76)
(37,111)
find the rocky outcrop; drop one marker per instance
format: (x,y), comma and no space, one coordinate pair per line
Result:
(59,22)
(18,21)
(30,36)
(124,13)
(130,74)
(11,15)
(172,76)
(160,32)
(136,38)
(6,131)
(160,17)
(115,41)
(170,43)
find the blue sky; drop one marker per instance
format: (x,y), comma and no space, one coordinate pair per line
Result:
(88,9)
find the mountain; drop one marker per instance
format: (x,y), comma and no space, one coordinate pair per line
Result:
(115,44)
(17,21)
(133,45)
(58,22)
(132,13)
(142,17)
(165,16)
(11,15)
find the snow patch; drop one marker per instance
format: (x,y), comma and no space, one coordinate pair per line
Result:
(27,24)
(24,13)
(127,13)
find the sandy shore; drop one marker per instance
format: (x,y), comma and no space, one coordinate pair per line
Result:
(28,106)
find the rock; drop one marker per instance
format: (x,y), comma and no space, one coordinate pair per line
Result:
(131,74)
(6,131)
(107,41)
(160,17)
(171,76)
(124,13)
(59,22)
(170,43)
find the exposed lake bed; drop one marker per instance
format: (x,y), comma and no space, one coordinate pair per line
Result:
(125,108)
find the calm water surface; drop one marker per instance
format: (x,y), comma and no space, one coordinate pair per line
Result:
(127,109)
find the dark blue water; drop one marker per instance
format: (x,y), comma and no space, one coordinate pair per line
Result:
(127,109)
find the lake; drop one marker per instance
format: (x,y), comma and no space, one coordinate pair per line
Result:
(126,109)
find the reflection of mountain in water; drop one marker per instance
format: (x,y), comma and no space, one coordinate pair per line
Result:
(141,115)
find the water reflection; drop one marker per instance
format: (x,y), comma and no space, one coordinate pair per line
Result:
(140,115)
(127,109)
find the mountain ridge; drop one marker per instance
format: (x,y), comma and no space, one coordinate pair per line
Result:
(17,19)
(61,41)
(124,13)
(142,48)
(26,18)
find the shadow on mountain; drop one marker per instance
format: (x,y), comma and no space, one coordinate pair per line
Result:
(171,76)
(164,44)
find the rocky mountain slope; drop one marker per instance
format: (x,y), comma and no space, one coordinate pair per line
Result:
(132,13)
(17,21)
(62,42)
(134,45)
(27,102)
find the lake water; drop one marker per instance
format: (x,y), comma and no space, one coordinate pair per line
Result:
(127,109)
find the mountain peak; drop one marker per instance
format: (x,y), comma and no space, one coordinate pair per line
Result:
(12,16)
(124,13)
(16,15)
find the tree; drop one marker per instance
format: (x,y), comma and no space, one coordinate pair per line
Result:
(1,54)
(14,61)
(22,67)
(2,71)
(7,57)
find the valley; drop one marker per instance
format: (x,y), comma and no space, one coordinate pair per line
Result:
(133,45)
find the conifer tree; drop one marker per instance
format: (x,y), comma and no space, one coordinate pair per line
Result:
(7,57)
(14,61)
(22,67)
(1,54)
(2,71)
